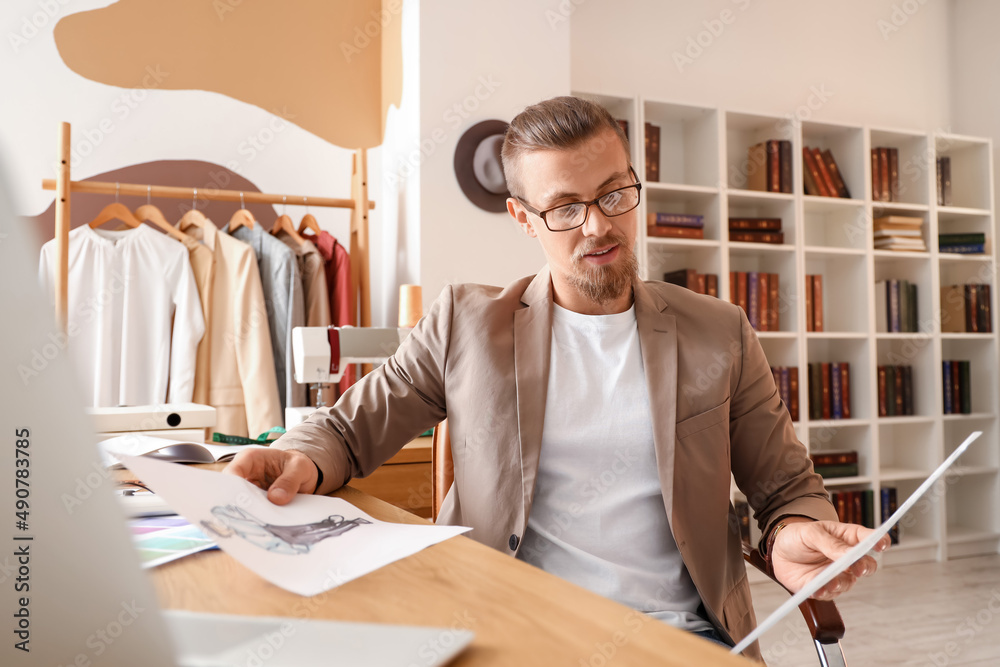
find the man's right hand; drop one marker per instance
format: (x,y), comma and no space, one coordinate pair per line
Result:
(280,472)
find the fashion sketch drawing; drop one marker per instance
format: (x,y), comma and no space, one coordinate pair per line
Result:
(230,520)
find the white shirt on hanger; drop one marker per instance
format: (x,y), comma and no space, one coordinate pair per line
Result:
(134,317)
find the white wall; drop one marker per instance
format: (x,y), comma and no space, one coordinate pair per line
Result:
(478,61)
(975,63)
(769,55)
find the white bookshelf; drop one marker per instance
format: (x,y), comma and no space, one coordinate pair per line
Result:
(703,168)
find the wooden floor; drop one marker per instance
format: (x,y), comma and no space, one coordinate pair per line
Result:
(932,614)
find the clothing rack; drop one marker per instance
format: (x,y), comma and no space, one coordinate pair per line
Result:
(360,293)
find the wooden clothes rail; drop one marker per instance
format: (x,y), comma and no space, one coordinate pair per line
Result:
(360,293)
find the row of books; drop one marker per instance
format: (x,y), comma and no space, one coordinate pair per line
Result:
(899,232)
(895,391)
(855,506)
(821,176)
(756,230)
(834,464)
(944,181)
(962,244)
(702,283)
(966,309)
(769,166)
(830,390)
(786,379)
(896,306)
(885,174)
(758,295)
(956,375)
(814,302)
(675,225)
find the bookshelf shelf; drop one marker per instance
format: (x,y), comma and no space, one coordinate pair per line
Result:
(705,169)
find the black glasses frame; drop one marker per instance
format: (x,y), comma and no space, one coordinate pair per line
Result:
(541,214)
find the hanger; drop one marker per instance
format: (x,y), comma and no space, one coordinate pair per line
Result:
(150,213)
(241,218)
(308,221)
(115,211)
(284,223)
(194,216)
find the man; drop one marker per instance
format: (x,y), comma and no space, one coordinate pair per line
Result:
(586,439)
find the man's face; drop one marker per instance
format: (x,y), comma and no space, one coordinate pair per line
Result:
(595,262)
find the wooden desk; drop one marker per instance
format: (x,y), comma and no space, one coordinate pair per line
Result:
(520,614)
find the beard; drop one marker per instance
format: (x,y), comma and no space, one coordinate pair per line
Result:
(604,283)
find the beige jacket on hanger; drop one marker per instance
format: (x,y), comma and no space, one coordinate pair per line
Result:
(236,372)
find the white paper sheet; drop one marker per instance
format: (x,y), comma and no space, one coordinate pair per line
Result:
(856,552)
(308,546)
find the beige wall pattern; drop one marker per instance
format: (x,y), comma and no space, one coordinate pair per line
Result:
(326,65)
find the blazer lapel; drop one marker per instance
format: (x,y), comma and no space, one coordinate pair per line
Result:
(658,343)
(532,346)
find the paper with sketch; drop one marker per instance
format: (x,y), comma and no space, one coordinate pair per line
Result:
(310,545)
(856,552)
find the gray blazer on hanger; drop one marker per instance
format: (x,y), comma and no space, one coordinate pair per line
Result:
(481,358)
(279,276)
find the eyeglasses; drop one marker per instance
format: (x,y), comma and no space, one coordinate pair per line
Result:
(566,217)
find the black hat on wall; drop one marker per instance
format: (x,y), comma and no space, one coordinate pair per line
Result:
(478,167)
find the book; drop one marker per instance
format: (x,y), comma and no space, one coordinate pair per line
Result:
(961,239)
(883,170)
(949,398)
(785,166)
(784,388)
(965,387)
(952,309)
(881,307)
(983,318)
(817,302)
(970,249)
(756,237)
(812,171)
(904,305)
(755,224)
(868,508)
(876,179)
(908,408)
(682,277)
(741,290)
(757,167)
(890,391)
(753,300)
(898,393)
(893,157)
(675,219)
(913,323)
(971,308)
(712,285)
(774,303)
(652,152)
(897,233)
(670,231)
(176,451)
(763,301)
(824,369)
(883,391)
(793,392)
(898,221)
(845,389)
(836,397)
(838,182)
(824,173)
(956,385)
(773,165)
(810,325)
(888,509)
(815,391)
(834,458)
(944,181)
(832,471)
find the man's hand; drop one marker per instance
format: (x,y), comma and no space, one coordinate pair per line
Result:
(802,549)
(282,473)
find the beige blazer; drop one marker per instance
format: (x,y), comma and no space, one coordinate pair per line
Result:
(480,357)
(239,380)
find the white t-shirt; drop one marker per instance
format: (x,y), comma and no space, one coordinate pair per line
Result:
(598,518)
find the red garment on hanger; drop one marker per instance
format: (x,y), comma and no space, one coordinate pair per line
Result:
(338,282)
